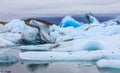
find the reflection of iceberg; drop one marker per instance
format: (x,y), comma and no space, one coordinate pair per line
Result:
(7,60)
(109,70)
(34,65)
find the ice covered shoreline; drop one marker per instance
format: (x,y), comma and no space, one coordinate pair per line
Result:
(87,37)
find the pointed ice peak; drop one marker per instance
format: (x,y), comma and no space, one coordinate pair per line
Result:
(93,20)
(68,21)
(16,25)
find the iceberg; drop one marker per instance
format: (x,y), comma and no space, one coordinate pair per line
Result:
(2,28)
(5,43)
(108,63)
(117,20)
(110,22)
(18,32)
(44,47)
(30,37)
(12,37)
(13,31)
(93,20)
(16,25)
(65,56)
(43,31)
(68,21)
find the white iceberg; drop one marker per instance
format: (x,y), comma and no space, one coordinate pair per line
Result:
(76,55)
(109,63)
(16,25)
(2,28)
(5,43)
(44,47)
(13,37)
(43,32)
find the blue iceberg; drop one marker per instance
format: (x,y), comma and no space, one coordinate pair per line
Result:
(68,21)
(91,19)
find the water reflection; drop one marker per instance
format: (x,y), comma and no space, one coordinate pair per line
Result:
(27,66)
(109,70)
(7,60)
(7,64)
(60,66)
(34,67)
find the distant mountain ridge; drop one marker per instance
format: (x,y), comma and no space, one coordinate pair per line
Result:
(80,18)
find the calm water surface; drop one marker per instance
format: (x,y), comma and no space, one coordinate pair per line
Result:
(24,66)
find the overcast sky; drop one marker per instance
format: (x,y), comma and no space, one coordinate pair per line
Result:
(10,9)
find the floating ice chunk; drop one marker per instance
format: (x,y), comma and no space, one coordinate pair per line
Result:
(5,43)
(60,56)
(98,30)
(70,32)
(74,55)
(45,47)
(44,32)
(117,19)
(54,31)
(112,30)
(110,22)
(13,37)
(109,63)
(30,37)
(93,20)
(94,31)
(2,28)
(64,38)
(16,25)
(68,21)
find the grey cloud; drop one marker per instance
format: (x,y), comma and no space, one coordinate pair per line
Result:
(27,8)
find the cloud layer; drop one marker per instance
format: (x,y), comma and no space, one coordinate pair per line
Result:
(10,9)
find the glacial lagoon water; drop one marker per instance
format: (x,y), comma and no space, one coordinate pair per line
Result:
(27,66)
(50,67)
